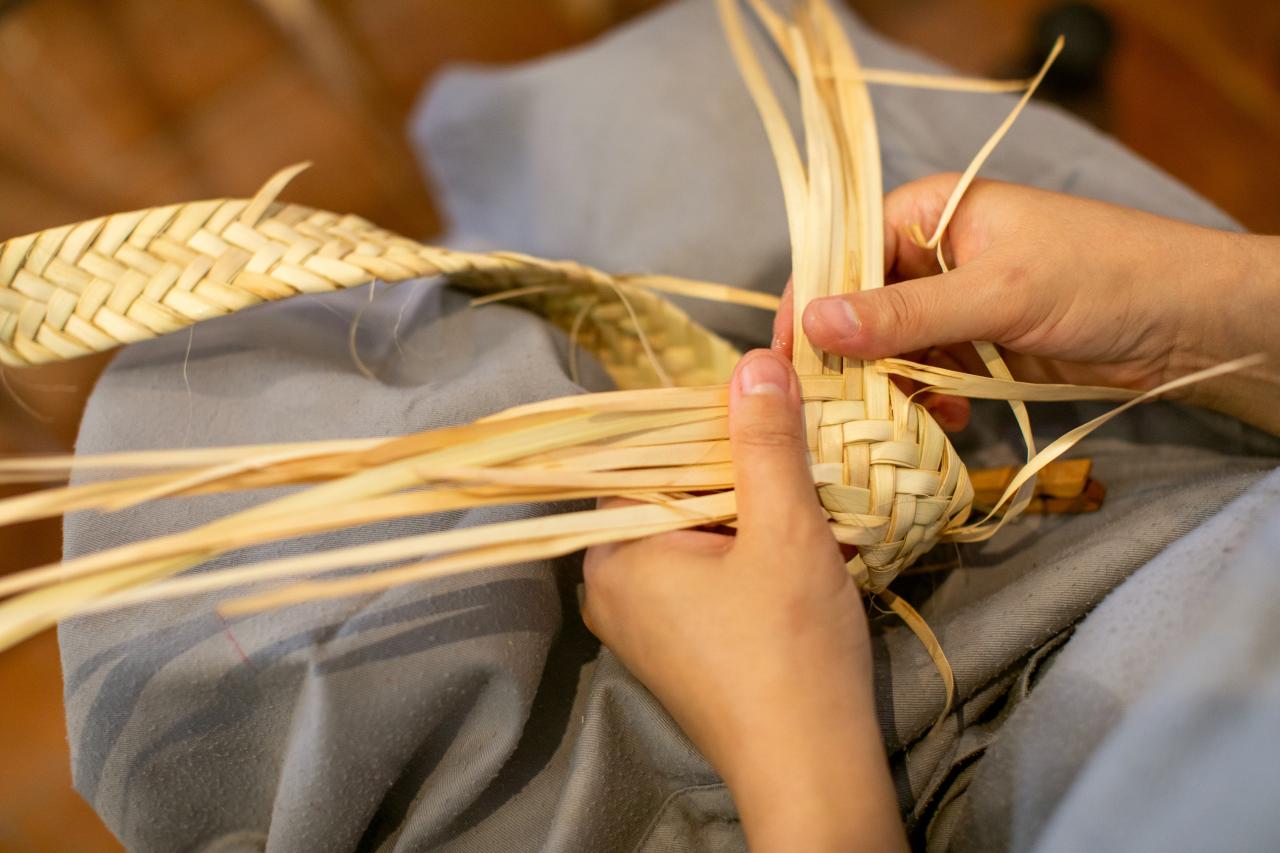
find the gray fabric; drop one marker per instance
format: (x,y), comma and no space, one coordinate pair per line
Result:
(1183,654)
(476,713)
(1212,693)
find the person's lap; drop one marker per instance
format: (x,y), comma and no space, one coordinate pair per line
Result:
(476,712)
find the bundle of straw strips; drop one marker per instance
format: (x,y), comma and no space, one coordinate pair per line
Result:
(891,483)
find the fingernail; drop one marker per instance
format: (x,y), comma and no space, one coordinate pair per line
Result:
(764,374)
(837,316)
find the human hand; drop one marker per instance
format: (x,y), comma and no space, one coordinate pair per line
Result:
(757,644)
(1072,290)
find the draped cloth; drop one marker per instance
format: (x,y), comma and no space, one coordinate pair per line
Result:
(476,713)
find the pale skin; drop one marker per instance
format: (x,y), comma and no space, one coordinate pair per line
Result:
(757,643)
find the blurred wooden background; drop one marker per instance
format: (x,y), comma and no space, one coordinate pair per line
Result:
(118,104)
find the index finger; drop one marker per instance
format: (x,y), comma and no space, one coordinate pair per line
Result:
(916,204)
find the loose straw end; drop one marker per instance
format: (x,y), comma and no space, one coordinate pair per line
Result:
(266,196)
(916,234)
(249,605)
(918,626)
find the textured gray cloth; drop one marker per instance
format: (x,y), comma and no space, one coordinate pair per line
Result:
(1169,690)
(476,713)
(1192,764)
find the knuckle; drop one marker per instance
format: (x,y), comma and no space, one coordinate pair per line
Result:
(598,575)
(1014,277)
(1012,306)
(770,434)
(900,310)
(611,573)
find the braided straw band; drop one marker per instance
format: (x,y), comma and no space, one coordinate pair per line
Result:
(90,287)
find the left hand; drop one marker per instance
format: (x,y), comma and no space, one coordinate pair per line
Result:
(757,644)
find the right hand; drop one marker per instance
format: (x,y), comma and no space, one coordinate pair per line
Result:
(757,643)
(1072,290)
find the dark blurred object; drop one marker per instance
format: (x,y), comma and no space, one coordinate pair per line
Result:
(1081,68)
(1078,79)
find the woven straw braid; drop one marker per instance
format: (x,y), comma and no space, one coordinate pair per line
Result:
(89,287)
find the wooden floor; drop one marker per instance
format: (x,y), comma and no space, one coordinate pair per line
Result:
(116,104)
(39,811)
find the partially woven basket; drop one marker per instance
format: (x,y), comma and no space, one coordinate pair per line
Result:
(891,484)
(95,285)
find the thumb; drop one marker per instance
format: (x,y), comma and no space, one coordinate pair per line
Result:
(776,496)
(960,306)
(782,323)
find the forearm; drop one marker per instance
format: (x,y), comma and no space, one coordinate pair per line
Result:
(801,786)
(1240,316)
